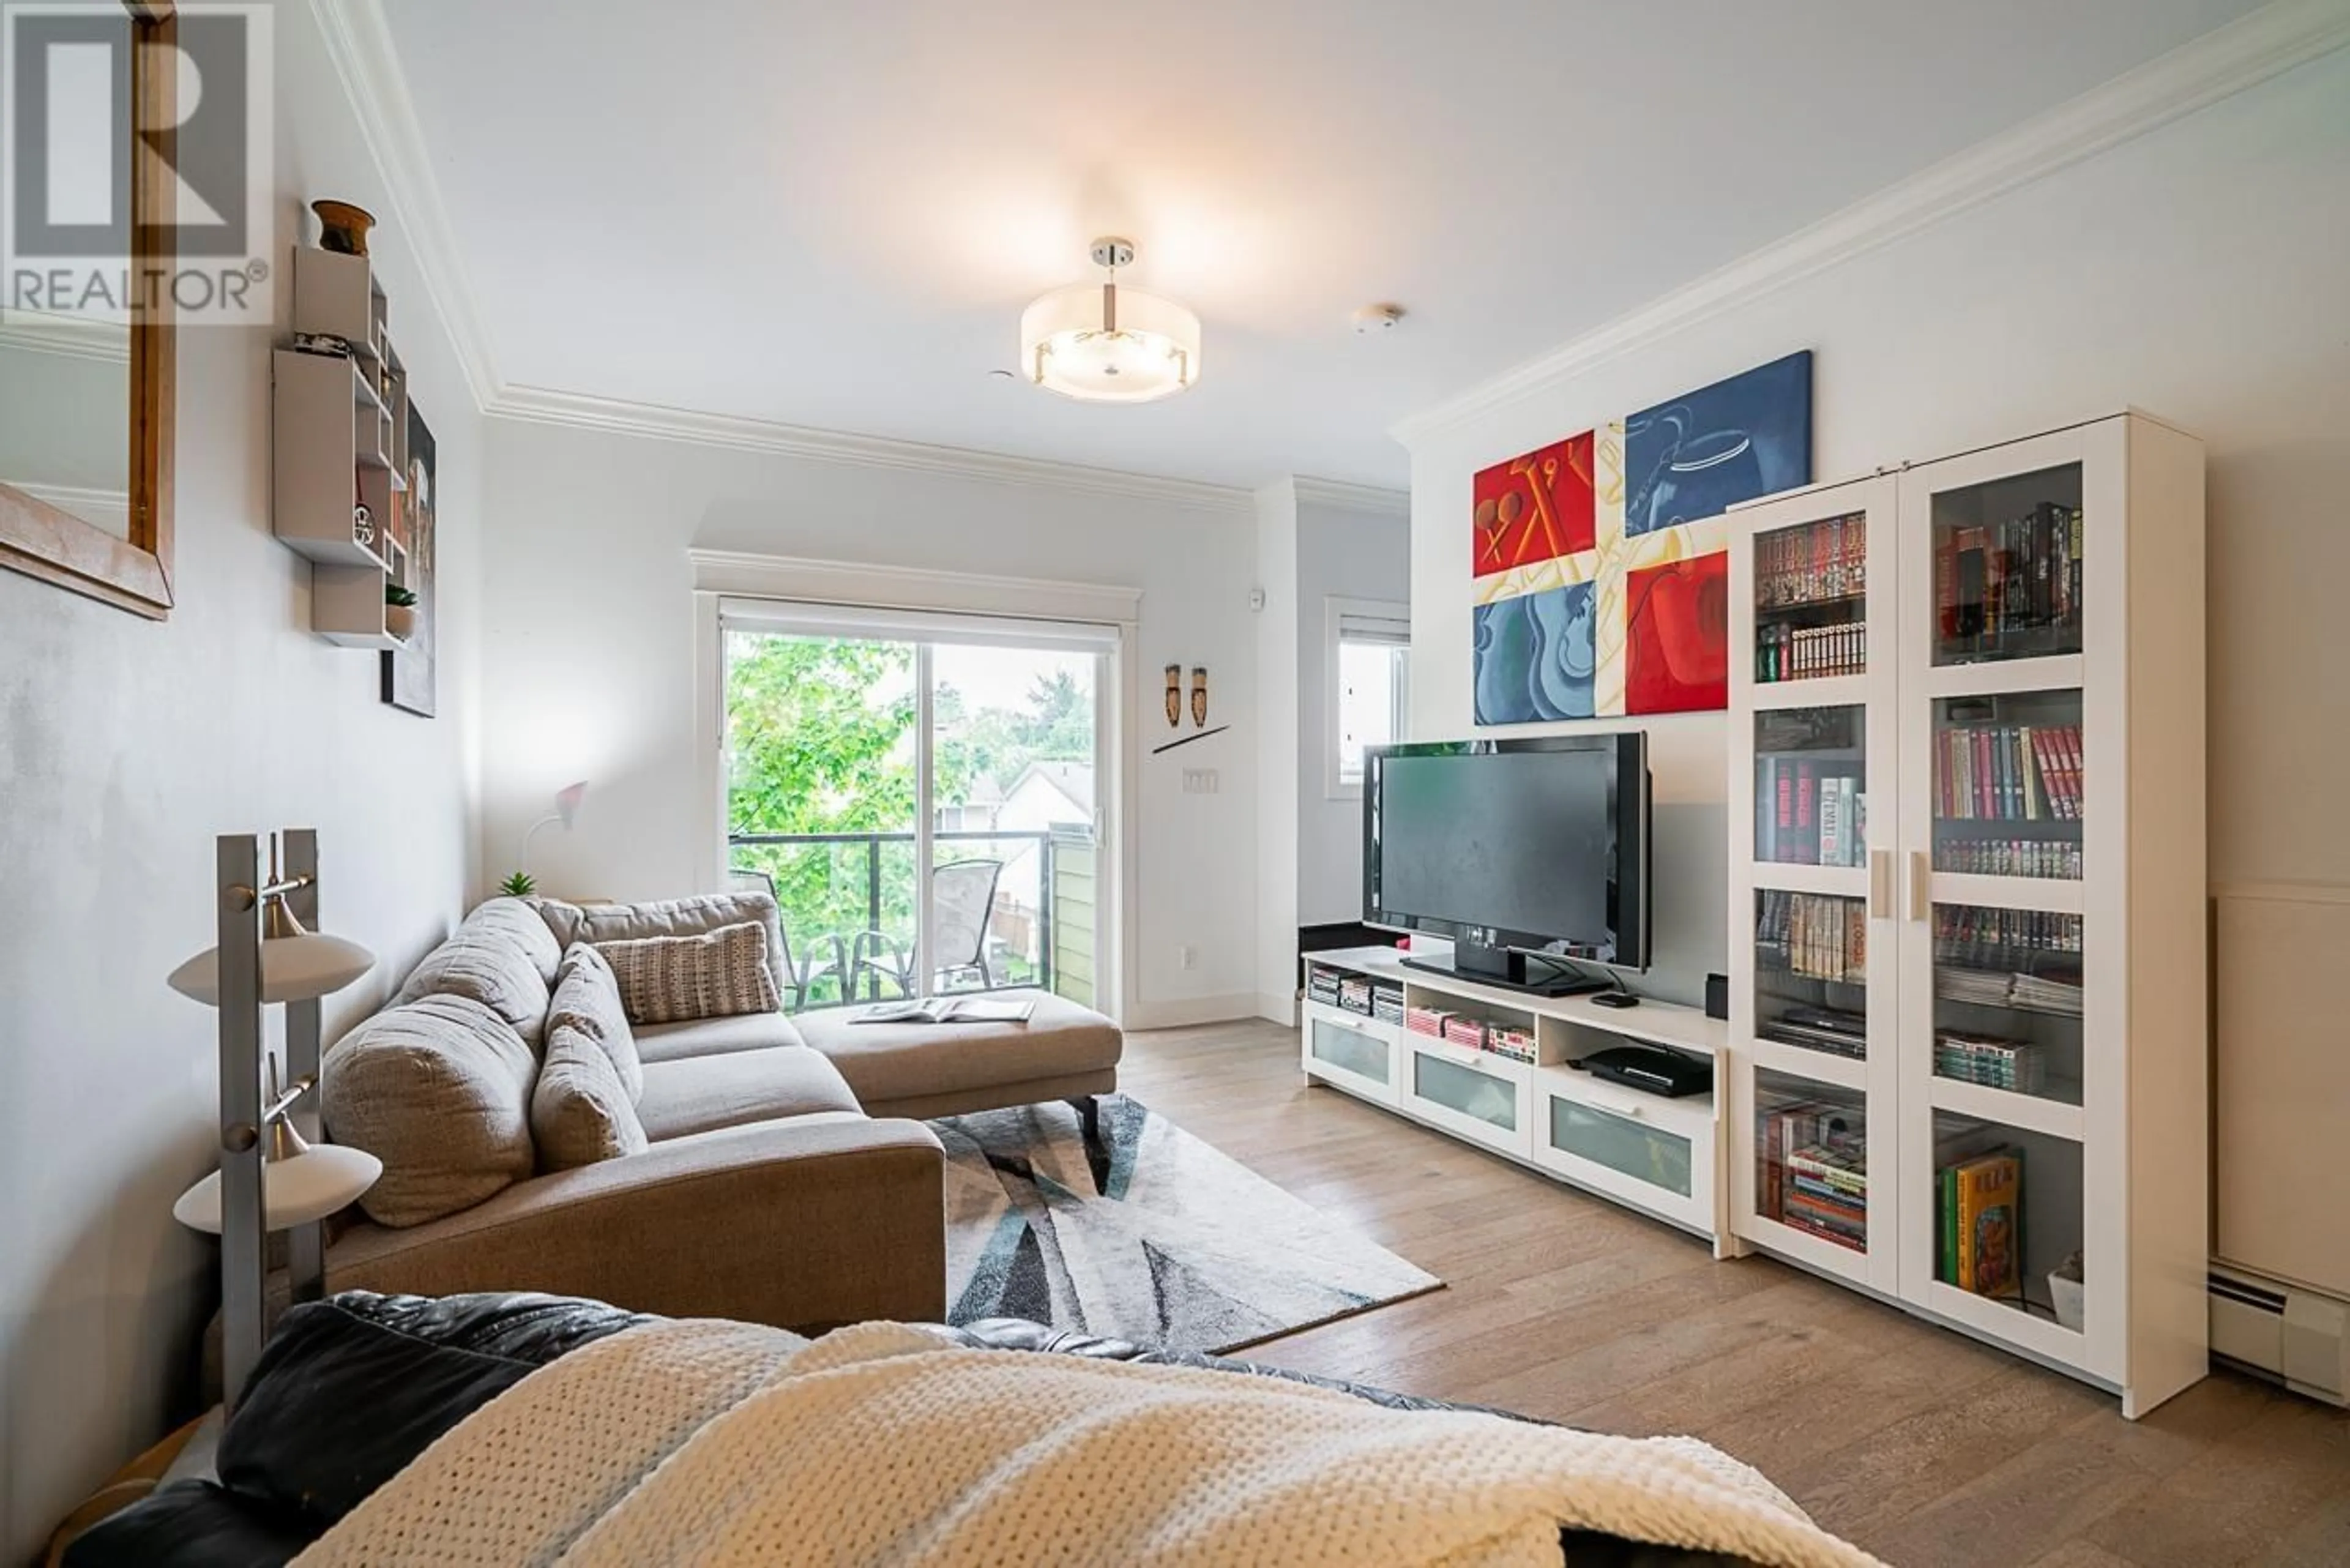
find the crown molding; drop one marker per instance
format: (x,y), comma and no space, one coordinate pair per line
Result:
(539,405)
(1352,497)
(70,337)
(359,42)
(2243,54)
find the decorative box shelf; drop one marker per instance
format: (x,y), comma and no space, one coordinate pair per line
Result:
(340,443)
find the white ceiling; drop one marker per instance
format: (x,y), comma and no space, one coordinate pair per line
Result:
(831,213)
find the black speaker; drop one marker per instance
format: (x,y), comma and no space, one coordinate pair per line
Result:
(1717,996)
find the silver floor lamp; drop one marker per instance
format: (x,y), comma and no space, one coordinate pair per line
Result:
(275,1174)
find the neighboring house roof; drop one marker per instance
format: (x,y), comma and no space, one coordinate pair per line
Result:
(984,791)
(1074,782)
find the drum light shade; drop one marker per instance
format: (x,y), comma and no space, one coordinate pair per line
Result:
(1099,343)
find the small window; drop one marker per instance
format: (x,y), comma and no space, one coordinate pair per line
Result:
(1370,674)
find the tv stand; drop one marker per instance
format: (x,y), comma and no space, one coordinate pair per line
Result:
(1661,1156)
(1555,985)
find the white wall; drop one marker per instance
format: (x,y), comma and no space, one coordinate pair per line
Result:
(125,746)
(588,659)
(1346,553)
(1279,780)
(2198,272)
(1309,843)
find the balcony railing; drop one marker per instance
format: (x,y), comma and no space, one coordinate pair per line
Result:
(844,895)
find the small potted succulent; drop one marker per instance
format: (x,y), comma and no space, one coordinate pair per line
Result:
(400,611)
(521,885)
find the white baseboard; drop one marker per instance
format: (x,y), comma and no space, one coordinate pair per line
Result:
(1183,1012)
(1277,1007)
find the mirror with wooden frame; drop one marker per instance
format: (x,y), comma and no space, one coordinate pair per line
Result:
(87,406)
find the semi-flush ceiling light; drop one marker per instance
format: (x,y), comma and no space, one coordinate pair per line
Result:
(1104,344)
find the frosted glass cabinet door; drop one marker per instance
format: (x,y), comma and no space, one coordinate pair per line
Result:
(1486,1104)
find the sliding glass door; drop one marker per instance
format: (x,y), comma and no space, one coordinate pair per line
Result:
(863,744)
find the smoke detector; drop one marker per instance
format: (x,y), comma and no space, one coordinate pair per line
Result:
(1374,319)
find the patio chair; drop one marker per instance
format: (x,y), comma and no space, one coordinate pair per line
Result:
(805,973)
(962,894)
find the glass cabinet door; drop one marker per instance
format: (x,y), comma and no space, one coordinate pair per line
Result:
(1814,753)
(2002,839)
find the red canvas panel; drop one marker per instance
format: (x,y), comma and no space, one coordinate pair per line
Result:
(1676,635)
(1536,508)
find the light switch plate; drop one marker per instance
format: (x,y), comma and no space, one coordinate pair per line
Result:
(1200,780)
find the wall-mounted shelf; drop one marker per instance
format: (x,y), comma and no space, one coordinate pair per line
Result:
(341,443)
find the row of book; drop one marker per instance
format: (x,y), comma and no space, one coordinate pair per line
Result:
(2008,773)
(1381,1000)
(1969,934)
(1813,935)
(1826,561)
(1834,1030)
(1806,652)
(1810,812)
(1813,1170)
(1507,1039)
(2018,576)
(2015,1065)
(2009,858)
(1979,1205)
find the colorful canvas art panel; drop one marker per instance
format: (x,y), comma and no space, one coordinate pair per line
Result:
(1707,450)
(1635,619)
(1535,508)
(1534,657)
(1677,659)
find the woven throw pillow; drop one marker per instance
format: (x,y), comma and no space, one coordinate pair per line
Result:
(438,1089)
(587,997)
(675,980)
(580,1113)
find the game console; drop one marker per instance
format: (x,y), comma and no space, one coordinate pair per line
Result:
(1653,1069)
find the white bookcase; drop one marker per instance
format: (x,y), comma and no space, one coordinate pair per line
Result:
(1991,939)
(1659,1156)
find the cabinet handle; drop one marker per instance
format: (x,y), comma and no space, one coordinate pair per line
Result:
(1881,884)
(1920,886)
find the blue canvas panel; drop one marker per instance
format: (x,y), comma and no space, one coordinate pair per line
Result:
(1702,453)
(1534,657)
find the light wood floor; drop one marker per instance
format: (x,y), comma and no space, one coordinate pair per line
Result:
(1918,1444)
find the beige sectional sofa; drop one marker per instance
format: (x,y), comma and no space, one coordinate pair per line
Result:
(778,1177)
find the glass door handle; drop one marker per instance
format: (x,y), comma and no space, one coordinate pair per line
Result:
(1881,884)
(1920,887)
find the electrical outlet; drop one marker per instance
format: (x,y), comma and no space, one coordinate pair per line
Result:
(1187,956)
(1200,780)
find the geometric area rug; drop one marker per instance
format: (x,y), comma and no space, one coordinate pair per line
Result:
(1145,1233)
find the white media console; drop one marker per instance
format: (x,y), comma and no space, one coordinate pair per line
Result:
(1661,1156)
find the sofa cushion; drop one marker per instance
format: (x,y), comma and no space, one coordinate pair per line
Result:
(514,920)
(580,1112)
(672,979)
(698,1094)
(716,1036)
(484,964)
(438,1089)
(601,923)
(890,1061)
(587,997)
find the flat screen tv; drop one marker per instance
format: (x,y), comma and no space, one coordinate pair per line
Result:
(1530,855)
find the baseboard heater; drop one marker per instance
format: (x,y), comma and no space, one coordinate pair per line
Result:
(2295,1337)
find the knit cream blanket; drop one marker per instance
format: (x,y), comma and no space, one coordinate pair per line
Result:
(725,1443)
